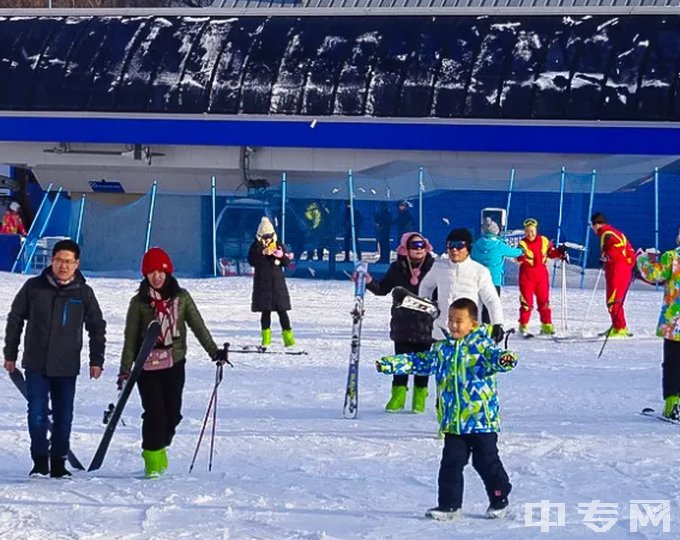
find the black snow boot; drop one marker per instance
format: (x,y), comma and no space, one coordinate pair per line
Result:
(40,467)
(58,469)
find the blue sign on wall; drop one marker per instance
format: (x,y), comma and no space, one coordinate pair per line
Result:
(104,186)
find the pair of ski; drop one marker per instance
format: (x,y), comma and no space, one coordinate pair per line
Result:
(403,299)
(648,411)
(259,349)
(150,337)
(575,338)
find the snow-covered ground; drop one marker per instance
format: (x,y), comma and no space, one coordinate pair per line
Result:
(288,466)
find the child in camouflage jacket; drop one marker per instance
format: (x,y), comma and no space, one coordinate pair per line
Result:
(464,365)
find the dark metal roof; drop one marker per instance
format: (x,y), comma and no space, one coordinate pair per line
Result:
(470,67)
(477,4)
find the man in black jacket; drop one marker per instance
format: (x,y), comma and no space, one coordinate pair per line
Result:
(56,304)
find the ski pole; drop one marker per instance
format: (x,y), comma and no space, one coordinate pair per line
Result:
(109,411)
(586,320)
(211,404)
(218,380)
(620,307)
(200,437)
(565,307)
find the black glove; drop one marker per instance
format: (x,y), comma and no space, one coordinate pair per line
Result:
(120,381)
(497,333)
(220,357)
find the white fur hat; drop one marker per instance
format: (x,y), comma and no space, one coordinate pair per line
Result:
(14,206)
(265,228)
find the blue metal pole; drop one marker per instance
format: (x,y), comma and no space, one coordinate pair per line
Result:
(152,205)
(656,208)
(81,211)
(593,180)
(350,179)
(507,206)
(30,229)
(421,189)
(213,201)
(559,217)
(284,200)
(656,215)
(43,228)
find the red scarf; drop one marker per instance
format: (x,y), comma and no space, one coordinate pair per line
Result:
(166,313)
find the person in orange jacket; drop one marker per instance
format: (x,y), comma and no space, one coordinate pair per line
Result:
(11,221)
(533,276)
(618,257)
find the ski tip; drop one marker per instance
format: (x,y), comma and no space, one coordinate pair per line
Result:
(646,410)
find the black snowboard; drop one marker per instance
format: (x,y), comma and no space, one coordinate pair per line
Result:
(17,378)
(152,333)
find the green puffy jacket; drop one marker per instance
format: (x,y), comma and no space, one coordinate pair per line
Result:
(140,314)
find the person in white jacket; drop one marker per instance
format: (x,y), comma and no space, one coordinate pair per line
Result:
(458,276)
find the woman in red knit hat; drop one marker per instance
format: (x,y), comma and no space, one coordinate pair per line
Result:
(161,383)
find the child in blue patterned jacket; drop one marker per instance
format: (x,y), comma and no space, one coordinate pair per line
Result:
(464,365)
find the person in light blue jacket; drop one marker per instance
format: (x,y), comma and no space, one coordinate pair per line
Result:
(490,250)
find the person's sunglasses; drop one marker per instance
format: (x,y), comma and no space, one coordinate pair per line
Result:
(416,244)
(456,244)
(267,236)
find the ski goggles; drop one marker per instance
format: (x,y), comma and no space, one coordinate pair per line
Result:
(416,244)
(456,244)
(267,236)
(530,222)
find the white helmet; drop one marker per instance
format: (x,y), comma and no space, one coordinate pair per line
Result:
(14,206)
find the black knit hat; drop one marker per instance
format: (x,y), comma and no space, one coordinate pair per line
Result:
(460,235)
(598,217)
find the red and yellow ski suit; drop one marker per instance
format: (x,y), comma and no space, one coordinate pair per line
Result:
(534,279)
(619,258)
(12,224)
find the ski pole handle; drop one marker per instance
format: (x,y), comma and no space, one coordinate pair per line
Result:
(507,336)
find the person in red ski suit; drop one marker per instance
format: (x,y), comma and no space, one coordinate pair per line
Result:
(533,276)
(618,257)
(11,221)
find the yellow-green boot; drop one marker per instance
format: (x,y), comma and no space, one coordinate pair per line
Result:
(288,338)
(672,408)
(152,463)
(397,400)
(419,399)
(266,337)
(547,329)
(163,460)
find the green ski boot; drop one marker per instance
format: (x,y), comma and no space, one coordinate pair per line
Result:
(266,337)
(288,338)
(671,408)
(153,462)
(419,399)
(398,399)
(547,329)
(163,460)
